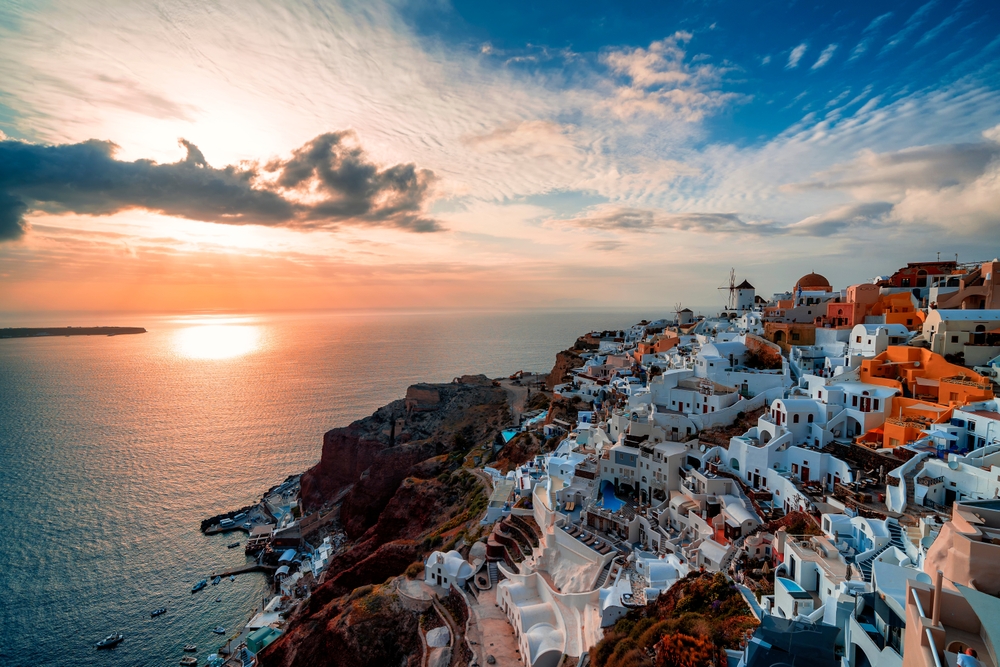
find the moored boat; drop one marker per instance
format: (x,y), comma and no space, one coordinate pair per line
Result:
(219,630)
(188,661)
(158,612)
(190,648)
(233,545)
(216,580)
(110,641)
(232,577)
(200,585)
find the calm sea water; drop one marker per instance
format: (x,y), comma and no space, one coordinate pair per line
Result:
(113,449)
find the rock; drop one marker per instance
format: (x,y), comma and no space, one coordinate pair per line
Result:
(438,637)
(490,660)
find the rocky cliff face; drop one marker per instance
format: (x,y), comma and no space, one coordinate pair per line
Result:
(404,493)
(565,362)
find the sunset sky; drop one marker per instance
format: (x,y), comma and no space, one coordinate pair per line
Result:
(258,156)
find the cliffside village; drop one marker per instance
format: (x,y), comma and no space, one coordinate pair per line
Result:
(835,452)
(858,512)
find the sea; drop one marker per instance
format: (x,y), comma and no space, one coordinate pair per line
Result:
(114,448)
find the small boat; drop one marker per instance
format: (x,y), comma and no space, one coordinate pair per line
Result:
(215,582)
(219,630)
(200,585)
(218,599)
(188,661)
(110,641)
(232,577)
(233,545)
(190,648)
(158,612)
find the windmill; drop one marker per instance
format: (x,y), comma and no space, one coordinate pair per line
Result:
(731,289)
(678,307)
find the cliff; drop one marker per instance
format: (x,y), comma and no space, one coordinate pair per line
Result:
(405,492)
(565,362)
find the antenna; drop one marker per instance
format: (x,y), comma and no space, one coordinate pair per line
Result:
(731,289)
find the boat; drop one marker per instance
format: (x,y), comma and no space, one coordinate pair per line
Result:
(232,577)
(188,661)
(233,545)
(216,581)
(110,641)
(190,648)
(158,612)
(219,630)
(218,599)
(200,585)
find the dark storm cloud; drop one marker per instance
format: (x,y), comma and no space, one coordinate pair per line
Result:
(326,183)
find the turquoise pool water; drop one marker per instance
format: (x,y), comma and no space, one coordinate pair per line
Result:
(608,498)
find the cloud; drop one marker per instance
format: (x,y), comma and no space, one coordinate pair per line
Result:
(825,56)
(908,28)
(658,81)
(796,55)
(841,218)
(867,36)
(932,34)
(952,186)
(328,182)
(614,218)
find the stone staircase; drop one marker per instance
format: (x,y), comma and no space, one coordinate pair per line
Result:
(604,574)
(911,486)
(895,540)
(494,573)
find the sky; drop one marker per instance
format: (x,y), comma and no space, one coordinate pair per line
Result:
(245,155)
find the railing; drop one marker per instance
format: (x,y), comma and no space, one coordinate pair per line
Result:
(929,481)
(966,381)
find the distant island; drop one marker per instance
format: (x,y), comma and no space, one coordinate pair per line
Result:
(32,332)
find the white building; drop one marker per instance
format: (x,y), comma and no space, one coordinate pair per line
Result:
(447,569)
(870,340)
(962,331)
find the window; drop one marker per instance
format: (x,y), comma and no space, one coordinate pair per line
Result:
(854,401)
(810,419)
(795,468)
(795,419)
(954,339)
(795,336)
(909,321)
(875,404)
(858,339)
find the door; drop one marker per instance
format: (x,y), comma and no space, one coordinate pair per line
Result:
(805,474)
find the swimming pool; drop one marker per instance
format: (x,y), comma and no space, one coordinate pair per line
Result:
(791,586)
(608,499)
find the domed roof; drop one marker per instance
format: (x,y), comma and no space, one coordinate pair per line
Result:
(812,280)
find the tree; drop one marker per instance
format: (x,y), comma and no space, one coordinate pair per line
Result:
(682,650)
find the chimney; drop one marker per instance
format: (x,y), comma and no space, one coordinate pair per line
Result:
(936,614)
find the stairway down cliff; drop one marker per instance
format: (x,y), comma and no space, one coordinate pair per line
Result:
(404,491)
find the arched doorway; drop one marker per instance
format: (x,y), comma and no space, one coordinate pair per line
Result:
(979,336)
(779,336)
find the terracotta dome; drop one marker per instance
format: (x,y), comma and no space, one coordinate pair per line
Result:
(812,281)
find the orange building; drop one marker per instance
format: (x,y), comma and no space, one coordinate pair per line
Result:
(922,374)
(660,343)
(930,389)
(787,334)
(909,419)
(899,308)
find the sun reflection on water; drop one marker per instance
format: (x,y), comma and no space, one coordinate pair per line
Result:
(217,341)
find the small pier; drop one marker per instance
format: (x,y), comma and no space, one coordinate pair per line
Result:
(243,569)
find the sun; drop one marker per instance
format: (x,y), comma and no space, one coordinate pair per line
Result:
(217,341)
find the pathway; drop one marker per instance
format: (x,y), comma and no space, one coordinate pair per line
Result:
(492,634)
